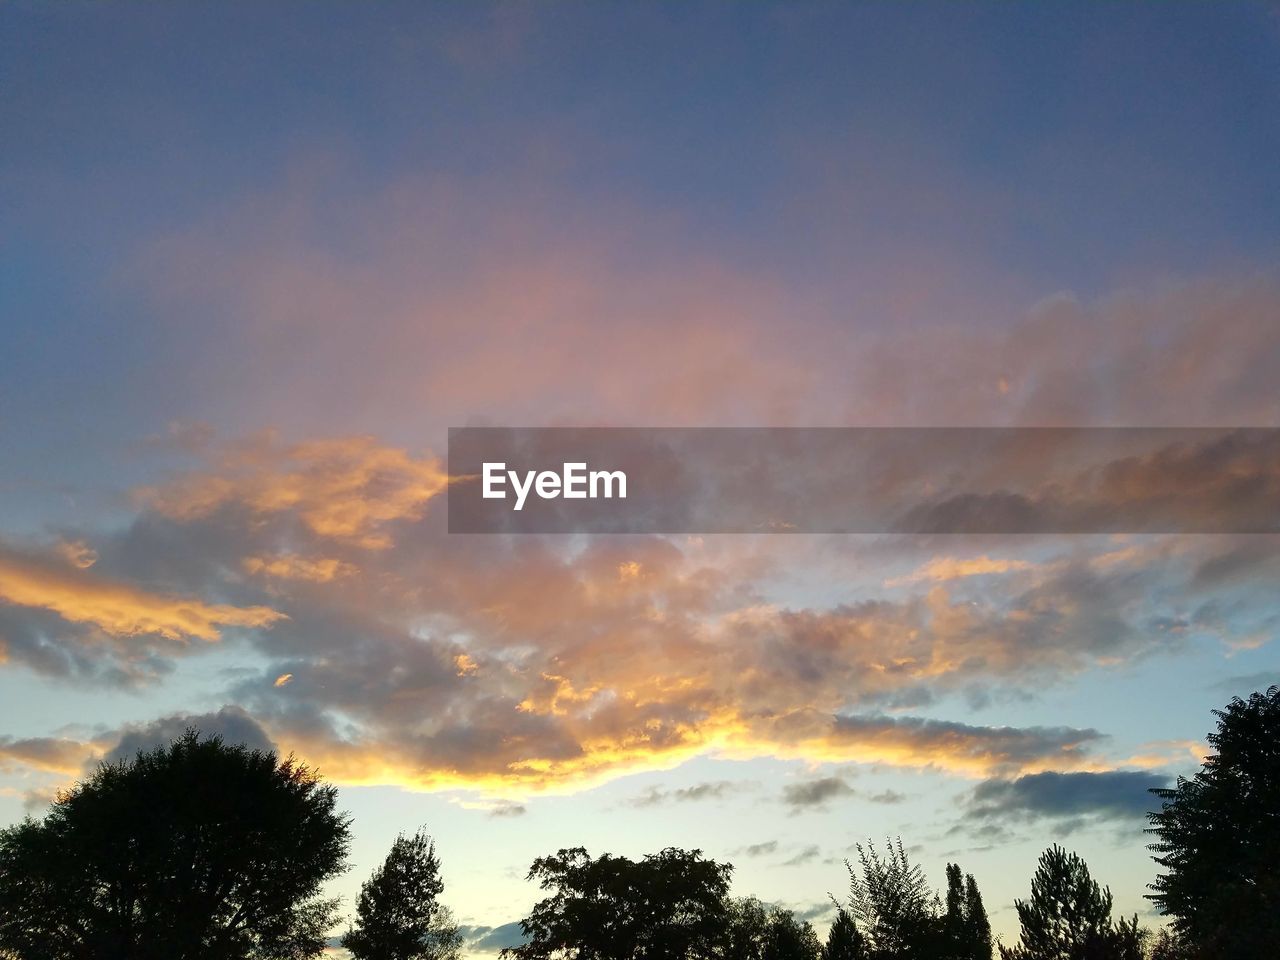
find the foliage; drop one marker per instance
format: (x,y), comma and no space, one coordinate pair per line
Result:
(965,932)
(891,903)
(198,849)
(844,941)
(1219,837)
(668,906)
(789,939)
(398,913)
(1069,916)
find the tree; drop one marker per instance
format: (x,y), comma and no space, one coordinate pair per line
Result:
(398,914)
(668,906)
(978,925)
(1167,945)
(1219,838)
(1069,916)
(199,849)
(965,932)
(789,939)
(891,904)
(747,929)
(844,941)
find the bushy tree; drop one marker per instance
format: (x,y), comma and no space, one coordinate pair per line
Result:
(1219,838)
(1068,916)
(398,913)
(747,927)
(844,941)
(1167,945)
(789,939)
(668,906)
(196,849)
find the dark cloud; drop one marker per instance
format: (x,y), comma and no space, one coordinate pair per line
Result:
(887,797)
(1113,795)
(807,855)
(655,796)
(1244,684)
(507,809)
(815,793)
(760,849)
(493,939)
(230,723)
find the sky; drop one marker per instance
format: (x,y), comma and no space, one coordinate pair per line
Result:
(255,260)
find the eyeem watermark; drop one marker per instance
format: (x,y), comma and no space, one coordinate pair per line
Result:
(573,482)
(864,480)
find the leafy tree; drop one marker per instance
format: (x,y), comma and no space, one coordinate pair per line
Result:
(1167,945)
(398,914)
(1219,838)
(747,929)
(789,939)
(891,904)
(1069,916)
(844,941)
(199,850)
(668,906)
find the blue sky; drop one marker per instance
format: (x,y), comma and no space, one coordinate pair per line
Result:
(256,260)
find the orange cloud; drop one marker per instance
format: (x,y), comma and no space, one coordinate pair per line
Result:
(288,566)
(119,609)
(48,754)
(346,489)
(942,569)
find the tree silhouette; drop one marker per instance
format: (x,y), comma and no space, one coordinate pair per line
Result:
(844,941)
(789,939)
(891,903)
(965,932)
(1069,916)
(747,929)
(398,913)
(199,849)
(1219,838)
(668,906)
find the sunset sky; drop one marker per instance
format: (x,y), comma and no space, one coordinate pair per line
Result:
(255,260)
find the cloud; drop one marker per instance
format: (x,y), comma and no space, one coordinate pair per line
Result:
(230,723)
(942,569)
(807,855)
(760,849)
(48,754)
(292,567)
(701,791)
(508,810)
(1242,685)
(493,939)
(346,489)
(118,609)
(815,794)
(1109,795)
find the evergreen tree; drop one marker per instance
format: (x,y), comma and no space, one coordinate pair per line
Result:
(977,925)
(398,914)
(1069,916)
(844,941)
(964,931)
